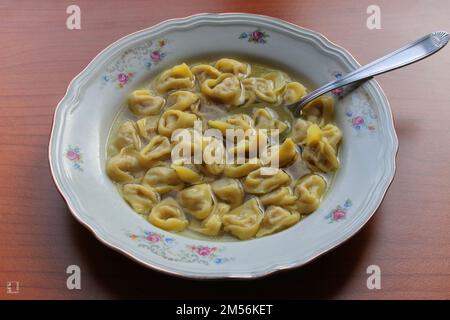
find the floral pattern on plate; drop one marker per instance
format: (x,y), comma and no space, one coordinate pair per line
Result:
(340,212)
(168,248)
(256,36)
(75,156)
(145,56)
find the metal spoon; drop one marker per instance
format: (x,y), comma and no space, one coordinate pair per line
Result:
(408,54)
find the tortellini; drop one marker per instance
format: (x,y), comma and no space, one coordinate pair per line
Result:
(277,219)
(257,183)
(183,101)
(280,197)
(213,156)
(243,221)
(309,191)
(127,135)
(168,215)
(212,225)
(232,66)
(142,103)
(318,153)
(319,111)
(333,134)
(299,131)
(156,150)
(162,179)
(188,173)
(148,126)
(226,89)
(262,88)
(197,200)
(141,198)
(236,121)
(211,147)
(121,167)
(263,119)
(293,93)
(175,119)
(241,170)
(205,71)
(178,77)
(229,191)
(284,153)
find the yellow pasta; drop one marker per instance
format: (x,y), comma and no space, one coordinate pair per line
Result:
(177,77)
(142,103)
(243,221)
(168,215)
(226,89)
(142,199)
(197,149)
(309,191)
(277,219)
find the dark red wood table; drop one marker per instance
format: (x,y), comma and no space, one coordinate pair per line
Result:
(409,237)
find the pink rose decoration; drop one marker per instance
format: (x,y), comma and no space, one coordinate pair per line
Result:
(123,78)
(204,251)
(257,35)
(152,237)
(72,155)
(155,56)
(358,120)
(338,214)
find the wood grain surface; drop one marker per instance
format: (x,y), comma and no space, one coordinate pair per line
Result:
(409,236)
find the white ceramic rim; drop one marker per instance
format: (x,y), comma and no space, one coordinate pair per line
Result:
(218,17)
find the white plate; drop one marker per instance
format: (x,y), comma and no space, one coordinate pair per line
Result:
(84,116)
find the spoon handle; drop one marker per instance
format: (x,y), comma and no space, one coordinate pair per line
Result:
(408,54)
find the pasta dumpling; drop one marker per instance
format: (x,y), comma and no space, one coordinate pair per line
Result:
(121,167)
(177,77)
(156,150)
(319,111)
(197,200)
(147,126)
(235,170)
(226,89)
(257,183)
(213,223)
(264,120)
(142,103)
(285,153)
(281,197)
(229,191)
(294,92)
(183,101)
(168,215)
(243,222)
(162,179)
(127,135)
(232,66)
(213,156)
(277,219)
(318,152)
(141,198)
(175,119)
(333,134)
(199,149)
(235,121)
(262,88)
(187,173)
(309,191)
(299,131)
(205,71)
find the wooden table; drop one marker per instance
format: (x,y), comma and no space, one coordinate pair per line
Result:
(409,237)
